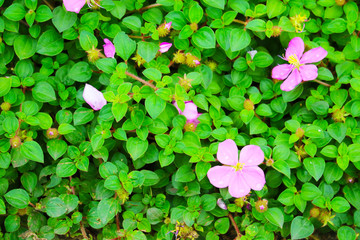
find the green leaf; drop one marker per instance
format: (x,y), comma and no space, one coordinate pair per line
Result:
(275,216)
(262,59)
(154,215)
(5,85)
(184,174)
(63,19)
(56,148)
(65,168)
(119,110)
(148,50)
(204,38)
(80,72)
(222,225)
(83,115)
(50,43)
(282,167)
(43,92)
(215,3)
(15,12)
(88,41)
(346,233)
(239,39)
(55,207)
(124,45)
(136,147)
(337,131)
(352,194)
(29,181)
(154,105)
(340,205)
(25,46)
(132,22)
(66,128)
(315,166)
(107,209)
(309,192)
(43,13)
(274,8)
(32,151)
(301,228)
(17,198)
(12,223)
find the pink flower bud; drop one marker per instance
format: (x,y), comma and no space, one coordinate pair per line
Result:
(109,48)
(93,97)
(197,62)
(164,47)
(168,25)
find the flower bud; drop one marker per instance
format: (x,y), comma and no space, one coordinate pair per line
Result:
(299,132)
(179,57)
(239,202)
(109,48)
(138,59)
(212,65)
(340,2)
(194,26)
(276,31)
(5,106)
(93,54)
(221,204)
(314,212)
(15,142)
(190,127)
(164,29)
(191,60)
(261,205)
(52,133)
(269,162)
(185,83)
(338,115)
(248,104)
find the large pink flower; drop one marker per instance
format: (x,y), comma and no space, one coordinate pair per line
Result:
(74,5)
(94,97)
(298,70)
(109,48)
(240,174)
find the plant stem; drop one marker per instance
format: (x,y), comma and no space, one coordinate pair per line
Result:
(83,232)
(239,21)
(48,4)
(139,37)
(140,80)
(322,83)
(144,8)
(235,225)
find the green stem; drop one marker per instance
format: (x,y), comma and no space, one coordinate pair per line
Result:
(322,83)
(140,80)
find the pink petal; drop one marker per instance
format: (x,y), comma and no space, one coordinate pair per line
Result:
(308,72)
(109,48)
(190,111)
(74,5)
(227,152)
(281,71)
(314,55)
(168,25)
(296,46)
(238,186)
(292,81)
(197,62)
(254,177)
(220,176)
(164,47)
(93,97)
(251,155)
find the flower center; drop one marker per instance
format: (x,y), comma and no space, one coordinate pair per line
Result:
(239,166)
(293,60)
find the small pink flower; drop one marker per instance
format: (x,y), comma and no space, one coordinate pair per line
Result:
(298,70)
(190,112)
(164,47)
(197,62)
(93,97)
(109,48)
(168,25)
(74,5)
(240,174)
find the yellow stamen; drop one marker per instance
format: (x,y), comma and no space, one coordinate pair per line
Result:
(298,22)
(293,60)
(239,166)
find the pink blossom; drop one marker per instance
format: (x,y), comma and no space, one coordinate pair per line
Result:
(240,174)
(298,70)
(164,47)
(190,112)
(168,25)
(197,62)
(109,48)
(93,97)
(74,5)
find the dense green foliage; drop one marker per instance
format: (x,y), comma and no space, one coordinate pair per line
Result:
(134,169)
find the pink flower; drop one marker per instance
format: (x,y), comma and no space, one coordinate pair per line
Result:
(109,48)
(197,62)
(239,174)
(190,112)
(164,47)
(74,5)
(298,70)
(93,97)
(168,25)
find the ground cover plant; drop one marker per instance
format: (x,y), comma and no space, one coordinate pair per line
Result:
(179,119)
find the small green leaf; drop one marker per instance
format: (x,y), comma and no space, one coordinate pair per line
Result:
(301,227)
(275,216)
(32,151)
(18,198)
